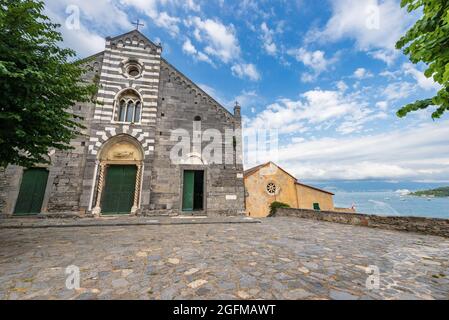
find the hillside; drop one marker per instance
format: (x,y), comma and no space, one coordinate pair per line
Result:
(439,192)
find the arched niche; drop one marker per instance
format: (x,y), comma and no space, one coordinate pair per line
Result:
(122,149)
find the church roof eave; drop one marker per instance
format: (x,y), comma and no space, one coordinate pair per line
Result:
(91,57)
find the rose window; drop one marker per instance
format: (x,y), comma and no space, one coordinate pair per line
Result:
(271,188)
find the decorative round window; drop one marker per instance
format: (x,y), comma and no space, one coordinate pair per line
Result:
(133,71)
(132,68)
(271,188)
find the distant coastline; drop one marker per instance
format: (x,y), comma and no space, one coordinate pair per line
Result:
(442,192)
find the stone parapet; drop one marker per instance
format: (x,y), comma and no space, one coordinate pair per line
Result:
(429,226)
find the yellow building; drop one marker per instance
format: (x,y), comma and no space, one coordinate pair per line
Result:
(268,183)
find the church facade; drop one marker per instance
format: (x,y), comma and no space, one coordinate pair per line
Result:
(123,162)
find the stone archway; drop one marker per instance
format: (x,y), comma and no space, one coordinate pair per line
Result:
(122,151)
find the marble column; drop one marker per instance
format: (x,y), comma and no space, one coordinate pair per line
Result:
(97,210)
(135,207)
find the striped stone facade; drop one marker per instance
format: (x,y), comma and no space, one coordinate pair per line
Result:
(169,101)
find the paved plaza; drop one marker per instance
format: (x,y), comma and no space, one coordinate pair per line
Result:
(280,258)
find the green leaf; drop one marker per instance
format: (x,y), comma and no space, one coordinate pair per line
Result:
(427,41)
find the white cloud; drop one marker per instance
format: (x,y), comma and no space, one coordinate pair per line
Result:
(422,81)
(315,108)
(100,14)
(164,20)
(83,41)
(382,105)
(398,90)
(342,86)
(315,60)
(220,40)
(267,39)
(190,49)
(192,5)
(398,154)
(362,73)
(374,26)
(246,71)
(388,56)
(157,10)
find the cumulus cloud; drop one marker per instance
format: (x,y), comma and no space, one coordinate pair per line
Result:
(267,39)
(221,41)
(362,73)
(158,11)
(246,71)
(397,154)
(315,60)
(100,14)
(84,41)
(346,112)
(374,26)
(398,90)
(422,81)
(190,49)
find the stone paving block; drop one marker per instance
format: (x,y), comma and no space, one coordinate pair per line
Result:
(216,261)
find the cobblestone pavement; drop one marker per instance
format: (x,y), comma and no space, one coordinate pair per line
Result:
(280,258)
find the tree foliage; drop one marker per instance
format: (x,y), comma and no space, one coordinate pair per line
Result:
(428,42)
(439,192)
(38,85)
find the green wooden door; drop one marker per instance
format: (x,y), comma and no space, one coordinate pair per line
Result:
(188,192)
(118,194)
(32,190)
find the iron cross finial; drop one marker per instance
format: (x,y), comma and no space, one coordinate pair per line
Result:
(138,24)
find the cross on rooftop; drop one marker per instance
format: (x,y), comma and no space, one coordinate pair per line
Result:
(138,24)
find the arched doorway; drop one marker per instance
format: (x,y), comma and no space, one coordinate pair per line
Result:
(119,177)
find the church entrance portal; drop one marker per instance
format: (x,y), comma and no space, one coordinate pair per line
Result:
(119,189)
(120,172)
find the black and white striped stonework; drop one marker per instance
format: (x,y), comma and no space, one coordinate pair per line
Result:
(113,80)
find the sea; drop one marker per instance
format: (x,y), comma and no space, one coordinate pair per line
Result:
(387,198)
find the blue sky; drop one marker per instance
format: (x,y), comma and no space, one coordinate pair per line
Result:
(323,75)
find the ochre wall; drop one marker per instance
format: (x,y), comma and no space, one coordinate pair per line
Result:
(308,196)
(258,199)
(296,196)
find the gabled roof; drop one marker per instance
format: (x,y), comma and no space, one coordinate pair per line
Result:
(249,172)
(135,33)
(89,58)
(257,168)
(314,188)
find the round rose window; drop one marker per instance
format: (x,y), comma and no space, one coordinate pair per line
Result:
(271,188)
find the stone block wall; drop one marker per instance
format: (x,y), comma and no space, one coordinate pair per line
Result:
(170,101)
(429,226)
(180,101)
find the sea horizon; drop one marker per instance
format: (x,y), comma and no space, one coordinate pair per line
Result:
(388,198)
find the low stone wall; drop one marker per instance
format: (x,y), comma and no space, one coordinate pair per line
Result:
(430,226)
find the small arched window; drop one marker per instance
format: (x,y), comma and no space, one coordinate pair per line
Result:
(129,108)
(197,118)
